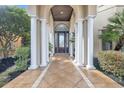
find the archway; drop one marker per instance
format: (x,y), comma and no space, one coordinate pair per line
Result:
(61,16)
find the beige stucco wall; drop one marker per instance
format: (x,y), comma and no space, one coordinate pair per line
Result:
(14,46)
(91,10)
(72,23)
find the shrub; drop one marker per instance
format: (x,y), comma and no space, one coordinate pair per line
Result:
(5,63)
(50,47)
(22,55)
(112,62)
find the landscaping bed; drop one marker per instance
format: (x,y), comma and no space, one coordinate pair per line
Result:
(5,63)
(97,66)
(10,67)
(111,63)
(8,75)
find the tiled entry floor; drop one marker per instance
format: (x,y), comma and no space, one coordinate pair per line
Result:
(61,73)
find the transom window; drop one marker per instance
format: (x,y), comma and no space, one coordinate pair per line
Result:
(61,27)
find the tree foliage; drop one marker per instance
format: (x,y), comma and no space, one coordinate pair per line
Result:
(114,31)
(14,23)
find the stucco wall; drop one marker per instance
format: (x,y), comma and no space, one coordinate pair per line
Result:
(101,20)
(14,46)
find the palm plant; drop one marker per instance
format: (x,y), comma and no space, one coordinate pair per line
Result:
(114,31)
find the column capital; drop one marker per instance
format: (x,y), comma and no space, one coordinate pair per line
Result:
(32,16)
(71,32)
(79,20)
(91,16)
(43,19)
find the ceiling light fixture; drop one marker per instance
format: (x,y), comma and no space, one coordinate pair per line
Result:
(61,12)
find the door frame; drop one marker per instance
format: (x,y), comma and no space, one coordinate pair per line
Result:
(66,49)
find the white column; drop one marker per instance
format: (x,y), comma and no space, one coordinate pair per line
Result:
(80,43)
(39,42)
(50,40)
(44,42)
(47,38)
(34,54)
(71,45)
(90,42)
(75,26)
(53,49)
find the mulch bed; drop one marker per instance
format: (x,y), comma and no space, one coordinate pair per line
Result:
(5,63)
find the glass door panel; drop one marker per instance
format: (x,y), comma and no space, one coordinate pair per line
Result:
(61,42)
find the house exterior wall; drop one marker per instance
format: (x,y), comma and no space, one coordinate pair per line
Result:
(104,12)
(15,45)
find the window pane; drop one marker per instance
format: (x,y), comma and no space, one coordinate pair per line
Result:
(61,40)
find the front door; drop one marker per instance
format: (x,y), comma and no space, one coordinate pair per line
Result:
(61,42)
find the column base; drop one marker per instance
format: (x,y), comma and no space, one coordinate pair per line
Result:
(52,55)
(74,61)
(78,64)
(44,65)
(33,67)
(90,67)
(71,56)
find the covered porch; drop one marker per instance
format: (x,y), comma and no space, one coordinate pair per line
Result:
(57,26)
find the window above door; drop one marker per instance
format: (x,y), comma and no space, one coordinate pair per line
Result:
(61,27)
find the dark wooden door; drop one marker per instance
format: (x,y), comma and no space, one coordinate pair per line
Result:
(61,42)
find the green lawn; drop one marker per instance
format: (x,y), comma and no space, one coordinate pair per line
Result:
(4,75)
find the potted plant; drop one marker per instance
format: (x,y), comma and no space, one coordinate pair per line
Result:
(50,48)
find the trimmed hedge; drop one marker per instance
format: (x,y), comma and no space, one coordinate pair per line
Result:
(112,62)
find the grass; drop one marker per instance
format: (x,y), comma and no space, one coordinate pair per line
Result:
(5,75)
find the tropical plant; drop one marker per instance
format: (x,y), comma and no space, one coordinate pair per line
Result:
(72,38)
(14,23)
(50,46)
(114,31)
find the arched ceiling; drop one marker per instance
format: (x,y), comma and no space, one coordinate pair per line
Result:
(61,12)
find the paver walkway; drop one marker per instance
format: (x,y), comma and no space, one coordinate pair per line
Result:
(62,73)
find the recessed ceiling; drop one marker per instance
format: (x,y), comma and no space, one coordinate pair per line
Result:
(61,12)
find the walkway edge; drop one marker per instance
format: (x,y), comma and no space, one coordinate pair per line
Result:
(39,79)
(84,76)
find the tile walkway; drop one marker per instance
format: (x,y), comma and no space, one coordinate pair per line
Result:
(62,73)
